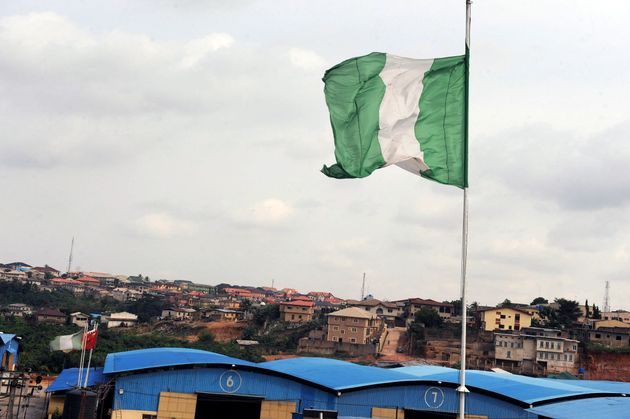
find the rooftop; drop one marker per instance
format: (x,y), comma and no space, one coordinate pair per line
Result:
(354,312)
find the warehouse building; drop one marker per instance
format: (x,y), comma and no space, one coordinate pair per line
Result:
(192,384)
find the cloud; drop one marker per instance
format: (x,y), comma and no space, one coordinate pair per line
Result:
(162,225)
(271,211)
(306,59)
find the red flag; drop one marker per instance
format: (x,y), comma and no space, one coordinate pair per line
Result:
(90,339)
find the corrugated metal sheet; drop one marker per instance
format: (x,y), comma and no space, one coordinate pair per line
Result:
(143,359)
(527,390)
(67,380)
(335,374)
(599,408)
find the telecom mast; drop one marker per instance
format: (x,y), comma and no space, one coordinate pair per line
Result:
(607,298)
(70,257)
(363,288)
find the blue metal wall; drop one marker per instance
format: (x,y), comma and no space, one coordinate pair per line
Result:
(142,391)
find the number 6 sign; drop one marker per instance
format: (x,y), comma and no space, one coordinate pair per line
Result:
(434,397)
(230,381)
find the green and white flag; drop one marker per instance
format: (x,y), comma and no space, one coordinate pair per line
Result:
(386,110)
(67,343)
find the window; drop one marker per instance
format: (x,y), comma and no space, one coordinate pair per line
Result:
(570,357)
(546,345)
(541,344)
(517,317)
(565,357)
(343,331)
(355,320)
(618,337)
(501,326)
(510,327)
(353,340)
(335,339)
(575,347)
(509,354)
(354,330)
(598,336)
(144,416)
(511,344)
(503,316)
(335,327)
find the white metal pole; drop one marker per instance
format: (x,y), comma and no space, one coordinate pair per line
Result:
(87,373)
(462,390)
(82,356)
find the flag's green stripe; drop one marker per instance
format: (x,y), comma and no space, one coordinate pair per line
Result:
(441,128)
(354,92)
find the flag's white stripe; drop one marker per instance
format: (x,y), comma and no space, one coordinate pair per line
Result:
(399,112)
(65,342)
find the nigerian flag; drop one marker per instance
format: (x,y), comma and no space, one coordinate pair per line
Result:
(386,110)
(67,343)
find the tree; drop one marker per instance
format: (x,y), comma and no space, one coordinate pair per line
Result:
(588,310)
(428,317)
(539,300)
(597,314)
(568,312)
(506,303)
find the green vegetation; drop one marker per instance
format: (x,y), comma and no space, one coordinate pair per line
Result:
(428,317)
(598,347)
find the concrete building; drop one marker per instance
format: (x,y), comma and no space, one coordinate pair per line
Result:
(296,311)
(614,337)
(504,318)
(179,313)
(353,325)
(445,310)
(621,315)
(19,310)
(388,311)
(122,319)
(79,319)
(50,315)
(547,348)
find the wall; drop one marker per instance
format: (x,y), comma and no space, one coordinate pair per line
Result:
(607,366)
(325,347)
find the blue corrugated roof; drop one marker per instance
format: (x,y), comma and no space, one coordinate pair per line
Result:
(143,359)
(524,389)
(614,386)
(598,407)
(336,375)
(68,378)
(6,337)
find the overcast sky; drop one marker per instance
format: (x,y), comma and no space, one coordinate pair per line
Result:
(184,139)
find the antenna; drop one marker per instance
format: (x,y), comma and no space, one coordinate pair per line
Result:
(70,258)
(363,287)
(273,281)
(607,298)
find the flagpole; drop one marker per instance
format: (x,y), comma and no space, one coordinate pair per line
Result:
(462,390)
(87,373)
(82,356)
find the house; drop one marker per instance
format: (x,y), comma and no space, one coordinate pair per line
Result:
(13,275)
(70,284)
(614,337)
(46,272)
(353,325)
(19,310)
(178,313)
(296,311)
(610,324)
(79,319)
(9,349)
(126,294)
(412,305)
(547,348)
(122,319)
(319,295)
(18,266)
(504,318)
(383,309)
(222,315)
(50,315)
(88,280)
(104,278)
(621,315)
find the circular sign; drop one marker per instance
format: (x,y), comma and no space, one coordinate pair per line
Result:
(230,381)
(434,397)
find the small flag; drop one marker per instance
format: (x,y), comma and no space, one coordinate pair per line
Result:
(386,110)
(67,343)
(90,339)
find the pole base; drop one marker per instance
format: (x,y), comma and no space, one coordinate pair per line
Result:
(462,389)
